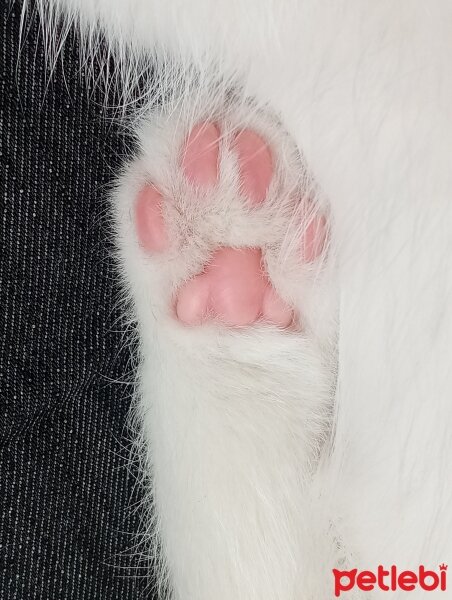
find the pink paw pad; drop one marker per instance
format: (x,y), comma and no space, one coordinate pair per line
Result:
(234,289)
(200,155)
(255,164)
(151,230)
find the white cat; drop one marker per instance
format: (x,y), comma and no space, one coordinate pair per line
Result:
(313,141)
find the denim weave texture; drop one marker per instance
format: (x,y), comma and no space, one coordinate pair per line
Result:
(66,493)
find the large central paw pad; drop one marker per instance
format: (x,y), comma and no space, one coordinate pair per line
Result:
(233,287)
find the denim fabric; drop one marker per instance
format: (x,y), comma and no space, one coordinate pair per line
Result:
(66,525)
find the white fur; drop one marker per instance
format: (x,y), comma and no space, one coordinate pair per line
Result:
(364,89)
(233,426)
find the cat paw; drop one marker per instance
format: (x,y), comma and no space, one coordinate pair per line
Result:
(232,223)
(224,245)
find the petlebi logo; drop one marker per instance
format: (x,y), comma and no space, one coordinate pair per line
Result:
(390,580)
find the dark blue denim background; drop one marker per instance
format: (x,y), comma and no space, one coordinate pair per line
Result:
(65,492)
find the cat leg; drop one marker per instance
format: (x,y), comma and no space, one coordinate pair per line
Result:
(223,241)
